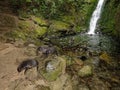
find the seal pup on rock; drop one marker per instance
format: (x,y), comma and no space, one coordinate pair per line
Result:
(46,50)
(27,64)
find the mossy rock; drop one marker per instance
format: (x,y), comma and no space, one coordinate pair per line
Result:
(106,57)
(39,20)
(59,25)
(27,30)
(85,71)
(16,34)
(57,68)
(25,25)
(40,31)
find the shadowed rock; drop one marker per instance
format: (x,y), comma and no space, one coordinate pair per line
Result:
(27,64)
(83,58)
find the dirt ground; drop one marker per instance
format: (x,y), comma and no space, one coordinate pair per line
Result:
(10,57)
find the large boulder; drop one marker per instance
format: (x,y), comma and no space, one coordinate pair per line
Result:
(54,67)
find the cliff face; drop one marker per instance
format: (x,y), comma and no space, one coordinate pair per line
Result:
(110,19)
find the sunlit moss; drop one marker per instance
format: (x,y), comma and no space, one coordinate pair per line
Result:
(59,25)
(40,31)
(39,20)
(59,69)
(27,30)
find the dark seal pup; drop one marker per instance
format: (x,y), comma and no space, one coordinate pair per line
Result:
(27,64)
(46,50)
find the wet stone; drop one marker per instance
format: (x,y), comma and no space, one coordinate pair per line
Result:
(85,71)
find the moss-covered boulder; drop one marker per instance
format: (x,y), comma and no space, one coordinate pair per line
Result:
(39,20)
(27,30)
(58,25)
(54,67)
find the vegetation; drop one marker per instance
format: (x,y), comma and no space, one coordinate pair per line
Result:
(80,10)
(109,22)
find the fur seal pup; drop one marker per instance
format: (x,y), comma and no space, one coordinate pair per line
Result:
(27,64)
(46,50)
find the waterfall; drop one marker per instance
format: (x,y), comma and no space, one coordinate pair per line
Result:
(95,17)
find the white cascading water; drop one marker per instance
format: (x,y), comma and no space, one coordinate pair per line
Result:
(95,17)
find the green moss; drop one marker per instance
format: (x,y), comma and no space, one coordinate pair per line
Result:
(79,29)
(59,66)
(39,20)
(53,75)
(40,31)
(109,22)
(68,19)
(16,34)
(24,25)
(59,25)
(27,30)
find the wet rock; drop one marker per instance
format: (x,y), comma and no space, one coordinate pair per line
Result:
(105,57)
(94,61)
(85,71)
(72,69)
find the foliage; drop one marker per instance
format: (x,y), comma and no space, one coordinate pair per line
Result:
(71,12)
(50,8)
(109,23)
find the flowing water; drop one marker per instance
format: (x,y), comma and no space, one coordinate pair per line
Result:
(95,17)
(95,42)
